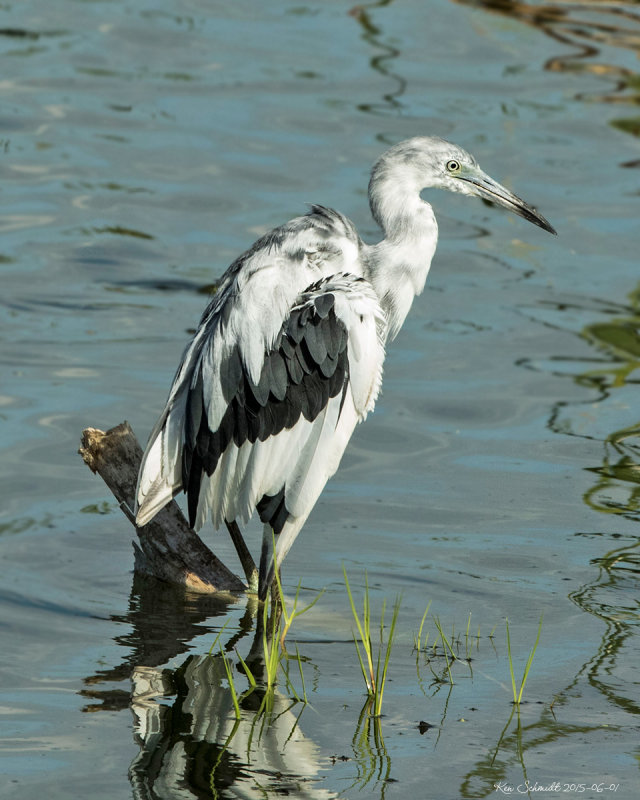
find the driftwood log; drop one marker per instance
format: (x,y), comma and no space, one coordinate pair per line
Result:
(168,548)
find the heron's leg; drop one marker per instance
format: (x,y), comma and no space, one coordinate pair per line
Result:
(267,565)
(248,564)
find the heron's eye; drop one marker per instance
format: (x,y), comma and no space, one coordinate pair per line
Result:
(453,166)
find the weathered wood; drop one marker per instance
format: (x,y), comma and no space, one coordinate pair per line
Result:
(169,549)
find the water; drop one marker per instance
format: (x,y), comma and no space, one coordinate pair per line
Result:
(142,147)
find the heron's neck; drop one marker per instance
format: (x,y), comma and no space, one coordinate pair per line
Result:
(398,266)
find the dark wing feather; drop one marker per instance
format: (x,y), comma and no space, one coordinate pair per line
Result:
(297,380)
(261,310)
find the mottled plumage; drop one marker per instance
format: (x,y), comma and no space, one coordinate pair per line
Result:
(288,355)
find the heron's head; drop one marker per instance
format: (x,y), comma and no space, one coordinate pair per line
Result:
(430,162)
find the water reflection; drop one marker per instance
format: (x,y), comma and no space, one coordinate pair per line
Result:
(203,728)
(195,747)
(617,488)
(160,623)
(382,62)
(613,330)
(372,759)
(191,743)
(508,756)
(612,597)
(588,29)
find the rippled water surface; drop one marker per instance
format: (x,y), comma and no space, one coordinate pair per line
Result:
(142,147)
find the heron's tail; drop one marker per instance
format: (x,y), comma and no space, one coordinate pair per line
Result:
(160,475)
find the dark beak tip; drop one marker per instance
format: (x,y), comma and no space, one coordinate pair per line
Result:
(534,216)
(549,228)
(493,193)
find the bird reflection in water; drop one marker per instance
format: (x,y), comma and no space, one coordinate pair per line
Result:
(191,744)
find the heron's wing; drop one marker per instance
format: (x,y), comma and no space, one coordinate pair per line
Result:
(238,329)
(236,437)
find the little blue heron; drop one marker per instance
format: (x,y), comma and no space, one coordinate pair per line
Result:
(288,355)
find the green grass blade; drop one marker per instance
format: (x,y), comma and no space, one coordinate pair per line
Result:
(445,646)
(422,621)
(365,677)
(466,638)
(304,690)
(217,639)
(387,656)
(288,681)
(380,643)
(309,605)
(271,649)
(513,677)
(250,676)
(363,631)
(529,661)
(232,688)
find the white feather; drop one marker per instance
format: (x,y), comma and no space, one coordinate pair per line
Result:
(237,505)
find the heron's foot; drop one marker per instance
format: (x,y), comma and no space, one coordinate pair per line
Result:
(251,576)
(248,564)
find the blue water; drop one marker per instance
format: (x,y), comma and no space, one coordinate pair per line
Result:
(142,148)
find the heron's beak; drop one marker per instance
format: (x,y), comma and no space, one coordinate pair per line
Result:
(485,187)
